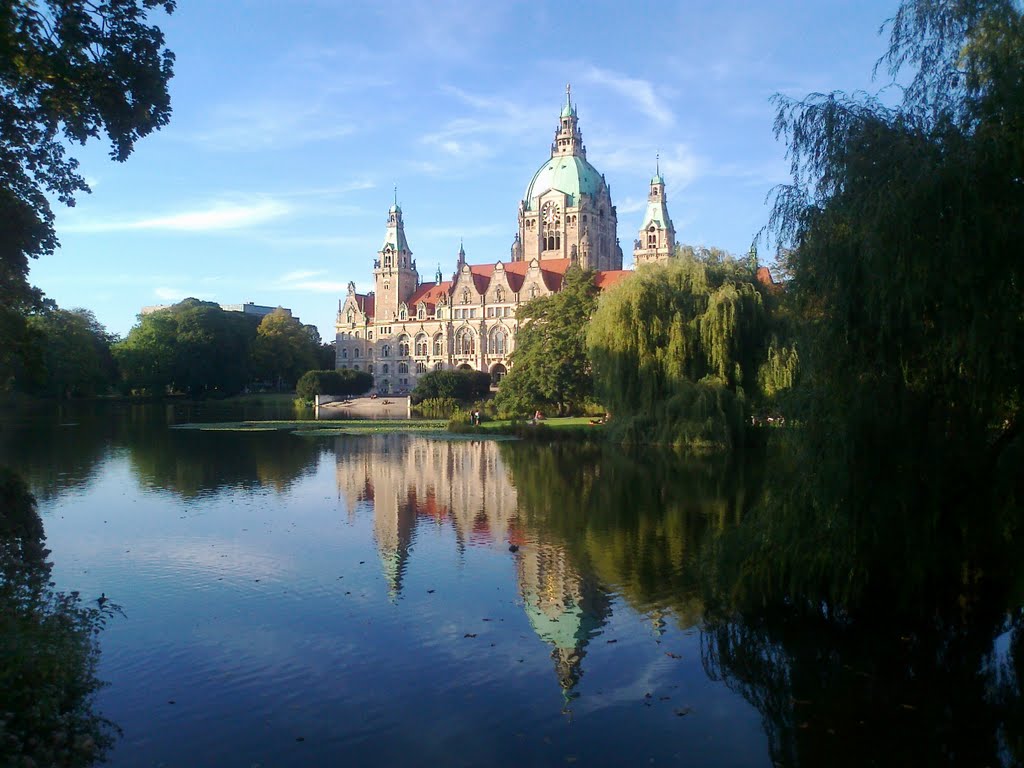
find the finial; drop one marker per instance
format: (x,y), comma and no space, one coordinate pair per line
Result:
(657,163)
(568,91)
(396,194)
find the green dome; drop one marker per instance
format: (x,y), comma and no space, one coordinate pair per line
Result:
(570,174)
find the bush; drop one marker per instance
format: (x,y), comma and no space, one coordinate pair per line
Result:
(345,382)
(463,386)
(437,408)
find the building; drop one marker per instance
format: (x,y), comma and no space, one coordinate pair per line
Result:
(405,327)
(249,308)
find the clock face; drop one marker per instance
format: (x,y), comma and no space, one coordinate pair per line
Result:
(550,212)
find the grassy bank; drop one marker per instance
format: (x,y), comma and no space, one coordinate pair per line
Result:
(339,426)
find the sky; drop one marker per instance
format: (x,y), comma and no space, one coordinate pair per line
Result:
(293,123)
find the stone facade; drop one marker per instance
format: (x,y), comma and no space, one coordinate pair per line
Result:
(405,328)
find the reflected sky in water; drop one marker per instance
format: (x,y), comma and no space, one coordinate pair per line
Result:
(353,600)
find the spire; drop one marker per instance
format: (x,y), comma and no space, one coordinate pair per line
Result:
(438,275)
(568,139)
(657,171)
(462,253)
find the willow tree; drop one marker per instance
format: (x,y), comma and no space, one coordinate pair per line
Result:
(676,351)
(905,224)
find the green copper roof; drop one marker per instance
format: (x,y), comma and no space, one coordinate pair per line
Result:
(657,179)
(570,174)
(656,214)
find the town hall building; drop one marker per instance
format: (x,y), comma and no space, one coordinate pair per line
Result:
(405,327)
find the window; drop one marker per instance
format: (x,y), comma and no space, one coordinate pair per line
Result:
(385,351)
(421,345)
(438,345)
(369,335)
(438,366)
(349,318)
(384,369)
(421,367)
(355,352)
(403,367)
(355,367)
(403,346)
(421,312)
(490,311)
(465,342)
(387,259)
(344,354)
(472,313)
(498,341)
(437,311)
(507,312)
(369,368)
(402,314)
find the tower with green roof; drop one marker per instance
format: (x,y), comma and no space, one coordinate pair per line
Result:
(394,270)
(567,211)
(657,240)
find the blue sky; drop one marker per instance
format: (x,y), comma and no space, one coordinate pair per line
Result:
(293,121)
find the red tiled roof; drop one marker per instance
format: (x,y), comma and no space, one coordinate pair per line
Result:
(609,277)
(764,276)
(430,293)
(365,302)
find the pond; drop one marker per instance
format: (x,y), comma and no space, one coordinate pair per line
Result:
(402,600)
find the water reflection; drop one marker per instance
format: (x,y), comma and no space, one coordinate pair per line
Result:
(385,578)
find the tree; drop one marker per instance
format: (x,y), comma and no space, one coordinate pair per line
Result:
(463,386)
(284,349)
(343,383)
(550,368)
(677,349)
(70,70)
(193,347)
(905,225)
(75,352)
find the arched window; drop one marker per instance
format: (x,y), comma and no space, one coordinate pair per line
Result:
(369,334)
(403,367)
(438,345)
(465,342)
(421,312)
(384,369)
(497,342)
(385,351)
(355,367)
(387,259)
(402,314)
(403,346)
(421,345)
(349,317)
(652,237)
(355,352)
(369,368)
(344,354)
(438,366)
(421,367)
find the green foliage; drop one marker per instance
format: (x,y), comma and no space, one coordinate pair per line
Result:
(49,649)
(194,347)
(437,407)
(463,386)
(70,70)
(677,348)
(905,224)
(284,349)
(550,368)
(343,383)
(75,355)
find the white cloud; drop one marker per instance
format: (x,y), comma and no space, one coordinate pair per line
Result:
(631,205)
(262,124)
(215,217)
(679,165)
(641,92)
(301,274)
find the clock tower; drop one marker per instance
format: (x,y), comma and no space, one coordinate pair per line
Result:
(394,271)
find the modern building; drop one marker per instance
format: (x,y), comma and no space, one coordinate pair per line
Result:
(406,327)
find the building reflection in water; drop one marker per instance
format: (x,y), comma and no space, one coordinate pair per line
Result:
(408,481)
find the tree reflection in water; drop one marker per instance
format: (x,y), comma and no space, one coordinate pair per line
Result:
(49,647)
